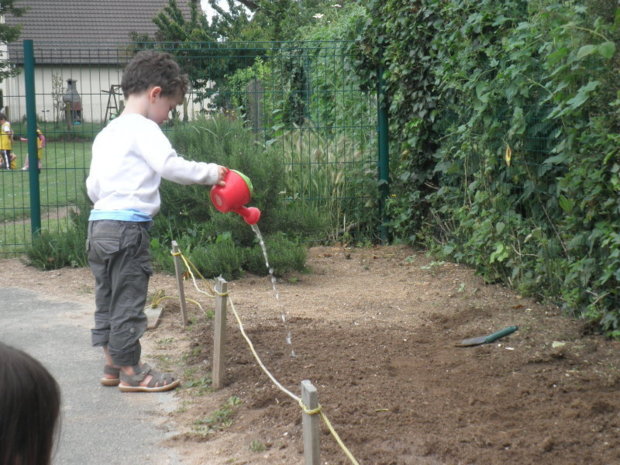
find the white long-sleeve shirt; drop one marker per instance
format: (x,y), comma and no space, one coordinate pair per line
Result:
(130,157)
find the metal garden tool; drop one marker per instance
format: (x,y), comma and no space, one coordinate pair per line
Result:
(476,341)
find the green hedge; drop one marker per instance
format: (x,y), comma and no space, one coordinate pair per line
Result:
(504,124)
(222,243)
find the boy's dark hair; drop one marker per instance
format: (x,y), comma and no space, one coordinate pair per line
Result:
(151,68)
(2,116)
(29,409)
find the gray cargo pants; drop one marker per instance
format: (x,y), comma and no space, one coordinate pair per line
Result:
(119,258)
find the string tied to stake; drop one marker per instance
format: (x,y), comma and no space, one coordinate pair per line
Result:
(309,411)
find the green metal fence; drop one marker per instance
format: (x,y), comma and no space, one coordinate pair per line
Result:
(299,98)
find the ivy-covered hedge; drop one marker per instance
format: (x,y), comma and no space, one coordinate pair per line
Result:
(505,126)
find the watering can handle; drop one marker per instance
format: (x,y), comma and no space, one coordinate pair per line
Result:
(247,181)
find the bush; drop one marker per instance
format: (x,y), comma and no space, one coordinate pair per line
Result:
(283,254)
(223,258)
(50,251)
(188,216)
(505,121)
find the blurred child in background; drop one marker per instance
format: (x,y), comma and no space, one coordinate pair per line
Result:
(40,147)
(7,159)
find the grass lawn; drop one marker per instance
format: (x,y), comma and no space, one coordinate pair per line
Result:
(65,167)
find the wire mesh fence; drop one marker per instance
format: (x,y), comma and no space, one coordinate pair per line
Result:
(300,99)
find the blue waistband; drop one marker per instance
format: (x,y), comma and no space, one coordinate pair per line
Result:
(119,215)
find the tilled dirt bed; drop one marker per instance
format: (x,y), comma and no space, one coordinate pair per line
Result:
(375,331)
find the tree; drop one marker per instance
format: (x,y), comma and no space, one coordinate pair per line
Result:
(249,4)
(9,33)
(199,46)
(211,51)
(230,21)
(268,20)
(173,27)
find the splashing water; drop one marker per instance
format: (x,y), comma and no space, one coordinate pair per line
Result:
(289,337)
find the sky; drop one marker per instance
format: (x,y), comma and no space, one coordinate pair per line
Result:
(209,11)
(207,8)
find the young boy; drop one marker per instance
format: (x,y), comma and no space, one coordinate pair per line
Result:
(129,158)
(7,159)
(40,147)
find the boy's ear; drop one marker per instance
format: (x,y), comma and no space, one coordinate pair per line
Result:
(154,92)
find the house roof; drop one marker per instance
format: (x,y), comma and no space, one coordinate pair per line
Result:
(102,27)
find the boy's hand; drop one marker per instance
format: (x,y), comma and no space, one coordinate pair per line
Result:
(222,172)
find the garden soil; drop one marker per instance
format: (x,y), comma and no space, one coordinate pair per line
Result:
(375,331)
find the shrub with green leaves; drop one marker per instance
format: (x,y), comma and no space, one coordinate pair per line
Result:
(314,117)
(53,250)
(188,216)
(284,256)
(221,258)
(505,118)
(332,173)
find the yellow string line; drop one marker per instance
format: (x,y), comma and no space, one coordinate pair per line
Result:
(188,266)
(260,362)
(338,440)
(290,394)
(155,302)
(305,409)
(308,411)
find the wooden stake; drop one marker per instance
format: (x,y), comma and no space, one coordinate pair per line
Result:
(178,269)
(310,424)
(219,335)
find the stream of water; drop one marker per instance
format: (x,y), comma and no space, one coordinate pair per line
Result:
(289,337)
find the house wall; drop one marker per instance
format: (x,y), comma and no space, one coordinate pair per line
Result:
(93,85)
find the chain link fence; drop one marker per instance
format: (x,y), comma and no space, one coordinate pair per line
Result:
(299,98)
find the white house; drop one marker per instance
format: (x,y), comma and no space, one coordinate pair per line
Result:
(79,46)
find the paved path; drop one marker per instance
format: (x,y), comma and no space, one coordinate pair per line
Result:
(100,426)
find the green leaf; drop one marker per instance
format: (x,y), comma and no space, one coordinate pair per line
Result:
(566,204)
(585,51)
(556,159)
(500,254)
(578,100)
(607,49)
(482,92)
(581,97)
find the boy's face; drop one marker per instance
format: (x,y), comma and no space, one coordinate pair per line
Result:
(160,107)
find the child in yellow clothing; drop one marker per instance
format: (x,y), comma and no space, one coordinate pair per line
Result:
(40,146)
(7,159)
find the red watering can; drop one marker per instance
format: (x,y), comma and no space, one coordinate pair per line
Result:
(234,195)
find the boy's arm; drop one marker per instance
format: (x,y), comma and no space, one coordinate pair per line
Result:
(163,159)
(182,171)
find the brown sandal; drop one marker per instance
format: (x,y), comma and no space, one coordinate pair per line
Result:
(113,372)
(159,381)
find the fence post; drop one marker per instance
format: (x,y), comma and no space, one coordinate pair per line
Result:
(219,336)
(384,152)
(310,424)
(179,274)
(31,133)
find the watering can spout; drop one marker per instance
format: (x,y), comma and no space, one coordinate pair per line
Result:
(251,215)
(234,195)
